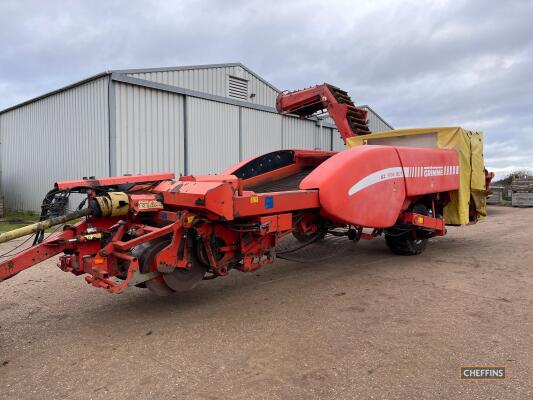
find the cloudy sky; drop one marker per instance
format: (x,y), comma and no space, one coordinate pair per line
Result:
(417,63)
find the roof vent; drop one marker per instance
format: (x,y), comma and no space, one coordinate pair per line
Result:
(237,88)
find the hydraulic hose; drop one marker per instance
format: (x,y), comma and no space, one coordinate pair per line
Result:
(41,226)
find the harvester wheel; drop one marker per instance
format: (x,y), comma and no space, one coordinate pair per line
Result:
(408,243)
(146,255)
(180,279)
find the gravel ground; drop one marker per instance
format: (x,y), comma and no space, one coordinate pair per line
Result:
(366,325)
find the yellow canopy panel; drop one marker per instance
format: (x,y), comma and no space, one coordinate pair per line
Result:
(469,202)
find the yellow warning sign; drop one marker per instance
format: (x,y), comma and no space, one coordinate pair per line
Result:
(149,204)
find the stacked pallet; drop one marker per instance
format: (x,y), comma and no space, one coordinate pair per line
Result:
(496,195)
(522,185)
(522,192)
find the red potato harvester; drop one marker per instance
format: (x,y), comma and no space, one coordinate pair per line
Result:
(167,234)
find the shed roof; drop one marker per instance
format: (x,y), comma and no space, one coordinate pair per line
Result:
(200,66)
(139,70)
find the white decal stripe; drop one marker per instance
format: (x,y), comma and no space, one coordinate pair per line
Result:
(376,177)
(434,170)
(399,172)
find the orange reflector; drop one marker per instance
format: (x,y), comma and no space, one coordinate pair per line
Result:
(420,220)
(98,260)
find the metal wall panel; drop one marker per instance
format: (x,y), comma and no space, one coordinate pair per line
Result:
(324,138)
(212,80)
(338,144)
(60,137)
(303,134)
(260,132)
(212,136)
(375,122)
(149,130)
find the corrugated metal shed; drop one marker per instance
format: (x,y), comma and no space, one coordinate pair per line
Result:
(212,136)
(304,134)
(149,127)
(189,120)
(338,144)
(375,122)
(62,136)
(260,132)
(211,79)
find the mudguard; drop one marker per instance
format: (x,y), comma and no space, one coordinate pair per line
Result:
(368,185)
(429,170)
(361,186)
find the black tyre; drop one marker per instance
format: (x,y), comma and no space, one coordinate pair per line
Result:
(405,244)
(409,243)
(146,254)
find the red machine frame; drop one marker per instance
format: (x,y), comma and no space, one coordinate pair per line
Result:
(166,234)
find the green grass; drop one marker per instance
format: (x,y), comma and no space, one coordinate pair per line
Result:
(16,219)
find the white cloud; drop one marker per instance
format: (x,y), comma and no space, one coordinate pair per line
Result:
(418,63)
